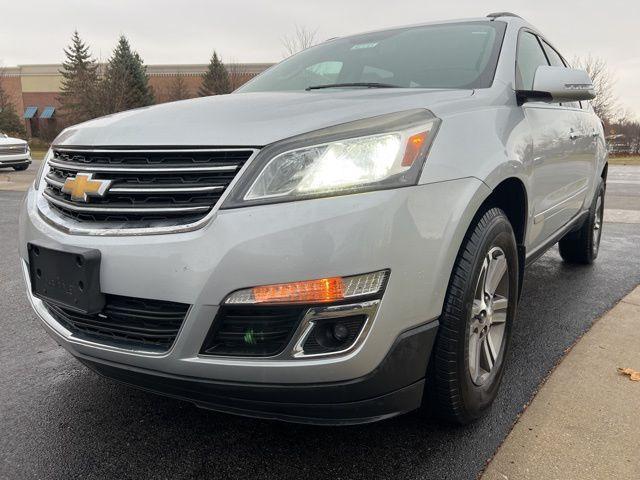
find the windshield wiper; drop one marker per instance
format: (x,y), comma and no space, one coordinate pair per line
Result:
(354,84)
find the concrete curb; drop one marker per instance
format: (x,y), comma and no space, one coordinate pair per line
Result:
(584,423)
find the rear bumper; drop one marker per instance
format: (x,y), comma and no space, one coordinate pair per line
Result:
(394,387)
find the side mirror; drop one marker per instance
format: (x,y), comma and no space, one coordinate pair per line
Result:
(558,84)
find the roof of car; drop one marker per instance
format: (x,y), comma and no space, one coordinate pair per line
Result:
(503,16)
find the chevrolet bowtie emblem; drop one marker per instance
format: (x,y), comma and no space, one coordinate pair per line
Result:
(83,186)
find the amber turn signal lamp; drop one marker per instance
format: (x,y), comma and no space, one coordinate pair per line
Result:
(322,290)
(414,147)
(310,291)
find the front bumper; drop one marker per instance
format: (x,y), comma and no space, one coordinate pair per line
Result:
(394,387)
(415,232)
(15,160)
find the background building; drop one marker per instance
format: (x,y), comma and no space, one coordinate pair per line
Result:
(34,89)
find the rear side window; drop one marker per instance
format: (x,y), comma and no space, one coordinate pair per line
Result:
(530,57)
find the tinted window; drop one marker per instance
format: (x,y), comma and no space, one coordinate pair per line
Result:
(324,71)
(455,55)
(530,57)
(554,58)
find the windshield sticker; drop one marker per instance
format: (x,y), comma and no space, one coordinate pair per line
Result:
(360,46)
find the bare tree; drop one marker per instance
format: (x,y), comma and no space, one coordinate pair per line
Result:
(624,136)
(238,74)
(302,39)
(178,89)
(606,102)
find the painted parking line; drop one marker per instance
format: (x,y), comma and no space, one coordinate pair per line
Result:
(614,215)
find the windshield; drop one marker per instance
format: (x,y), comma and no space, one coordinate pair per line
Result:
(452,55)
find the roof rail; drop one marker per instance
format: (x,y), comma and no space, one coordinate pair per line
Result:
(502,14)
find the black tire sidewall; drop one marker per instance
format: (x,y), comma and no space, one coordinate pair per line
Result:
(578,246)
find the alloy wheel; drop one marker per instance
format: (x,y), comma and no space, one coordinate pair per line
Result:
(597,224)
(488,315)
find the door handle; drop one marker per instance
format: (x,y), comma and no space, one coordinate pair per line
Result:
(575,135)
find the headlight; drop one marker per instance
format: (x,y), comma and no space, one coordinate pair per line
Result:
(42,169)
(376,153)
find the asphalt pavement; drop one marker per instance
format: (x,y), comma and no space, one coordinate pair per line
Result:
(58,420)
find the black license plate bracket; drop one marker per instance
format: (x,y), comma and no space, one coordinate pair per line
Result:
(66,276)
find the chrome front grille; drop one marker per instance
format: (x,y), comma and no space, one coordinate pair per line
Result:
(148,188)
(19,149)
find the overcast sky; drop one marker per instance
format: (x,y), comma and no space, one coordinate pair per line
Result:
(162,31)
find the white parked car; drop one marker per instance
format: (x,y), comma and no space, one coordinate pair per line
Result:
(344,235)
(14,153)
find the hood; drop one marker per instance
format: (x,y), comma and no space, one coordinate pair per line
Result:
(248,119)
(11,141)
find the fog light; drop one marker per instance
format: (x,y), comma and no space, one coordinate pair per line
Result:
(322,290)
(333,335)
(340,332)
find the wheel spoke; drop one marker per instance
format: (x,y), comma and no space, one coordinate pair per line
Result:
(597,224)
(474,356)
(500,304)
(477,307)
(495,272)
(488,315)
(482,281)
(489,352)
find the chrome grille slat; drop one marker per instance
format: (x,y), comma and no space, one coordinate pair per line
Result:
(13,149)
(109,209)
(145,190)
(80,167)
(212,188)
(149,188)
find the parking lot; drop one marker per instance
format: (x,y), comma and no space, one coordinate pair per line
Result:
(60,420)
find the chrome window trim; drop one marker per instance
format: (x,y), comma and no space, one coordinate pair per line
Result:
(71,227)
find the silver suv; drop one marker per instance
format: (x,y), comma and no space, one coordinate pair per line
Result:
(338,240)
(14,153)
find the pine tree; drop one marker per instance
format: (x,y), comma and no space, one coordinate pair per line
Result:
(79,84)
(215,80)
(10,122)
(125,84)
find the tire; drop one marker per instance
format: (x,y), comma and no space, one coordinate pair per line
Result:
(19,168)
(467,366)
(583,245)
